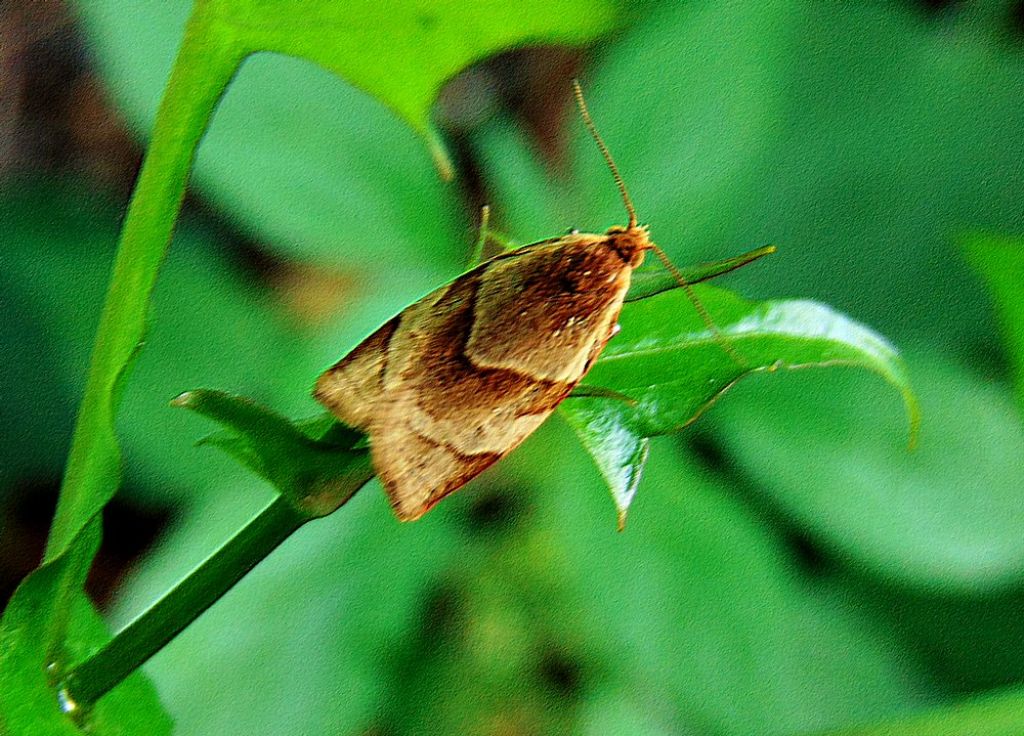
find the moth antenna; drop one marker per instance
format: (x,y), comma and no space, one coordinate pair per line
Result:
(699,306)
(588,121)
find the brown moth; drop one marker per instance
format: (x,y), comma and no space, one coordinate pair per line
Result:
(460,378)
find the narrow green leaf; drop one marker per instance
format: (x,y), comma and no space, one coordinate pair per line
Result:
(92,475)
(93,467)
(1000,261)
(647,283)
(203,69)
(667,361)
(317,475)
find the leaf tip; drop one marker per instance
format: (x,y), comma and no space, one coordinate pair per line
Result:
(184,400)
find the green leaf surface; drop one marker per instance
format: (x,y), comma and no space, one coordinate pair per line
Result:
(990,714)
(30,701)
(459,613)
(316,474)
(667,361)
(860,142)
(203,69)
(94,460)
(649,282)
(945,517)
(861,184)
(1000,261)
(306,163)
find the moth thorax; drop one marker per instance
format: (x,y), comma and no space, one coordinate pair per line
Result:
(630,243)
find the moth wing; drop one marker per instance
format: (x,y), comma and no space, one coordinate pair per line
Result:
(352,387)
(462,377)
(442,420)
(417,471)
(550,312)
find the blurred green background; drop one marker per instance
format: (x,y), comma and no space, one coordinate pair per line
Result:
(788,566)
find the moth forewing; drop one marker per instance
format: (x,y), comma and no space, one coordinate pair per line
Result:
(460,378)
(542,313)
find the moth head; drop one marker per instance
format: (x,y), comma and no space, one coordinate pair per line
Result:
(631,243)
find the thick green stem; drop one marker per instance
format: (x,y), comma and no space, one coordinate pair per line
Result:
(201,72)
(90,679)
(199,77)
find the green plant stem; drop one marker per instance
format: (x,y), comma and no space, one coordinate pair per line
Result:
(201,72)
(90,679)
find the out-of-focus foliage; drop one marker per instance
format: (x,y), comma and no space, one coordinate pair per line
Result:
(793,569)
(1000,261)
(313,188)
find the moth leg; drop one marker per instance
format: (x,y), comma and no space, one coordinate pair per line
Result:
(585,391)
(506,243)
(476,256)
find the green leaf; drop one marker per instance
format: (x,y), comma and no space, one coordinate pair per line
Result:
(316,168)
(1000,261)
(30,702)
(860,182)
(648,282)
(861,186)
(316,474)
(698,607)
(666,360)
(218,36)
(93,468)
(94,461)
(989,714)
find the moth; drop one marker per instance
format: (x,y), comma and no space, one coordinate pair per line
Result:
(459,379)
